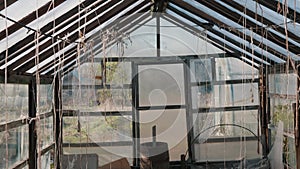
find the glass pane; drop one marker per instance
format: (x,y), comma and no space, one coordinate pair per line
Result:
(283,84)
(201,70)
(203,97)
(46,131)
(232,68)
(170,128)
(140,43)
(46,162)
(236,94)
(45,100)
(106,154)
(87,128)
(85,74)
(161,85)
(110,137)
(118,73)
(16,146)
(282,110)
(15,105)
(225,95)
(177,41)
(212,129)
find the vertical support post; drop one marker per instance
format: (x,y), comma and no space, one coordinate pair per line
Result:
(135,115)
(32,124)
(189,111)
(296,121)
(158,33)
(58,120)
(263,110)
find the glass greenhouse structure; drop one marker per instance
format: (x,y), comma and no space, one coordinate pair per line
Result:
(149,84)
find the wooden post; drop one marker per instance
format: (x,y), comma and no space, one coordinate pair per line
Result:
(263,110)
(296,122)
(32,103)
(58,120)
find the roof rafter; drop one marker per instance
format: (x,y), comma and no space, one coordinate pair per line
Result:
(237,33)
(72,66)
(59,23)
(73,37)
(234,53)
(31,17)
(261,19)
(8,2)
(213,5)
(273,5)
(29,56)
(228,39)
(73,50)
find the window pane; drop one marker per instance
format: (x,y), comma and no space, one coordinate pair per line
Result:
(201,70)
(232,68)
(161,85)
(46,131)
(212,129)
(170,128)
(45,100)
(15,105)
(15,142)
(84,129)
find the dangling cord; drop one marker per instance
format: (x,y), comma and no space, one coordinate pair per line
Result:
(38,122)
(5,85)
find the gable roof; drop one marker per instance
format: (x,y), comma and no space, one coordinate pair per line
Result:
(262,32)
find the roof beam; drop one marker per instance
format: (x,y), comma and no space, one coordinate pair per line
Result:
(117,22)
(23,78)
(273,5)
(8,2)
(29,18)
(223,25)
(59,23)
(125,29)
(213,5)
(235,53)
(73,37)
(261,19)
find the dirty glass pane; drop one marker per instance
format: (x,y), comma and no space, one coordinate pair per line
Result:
(15,142)
(139,43)
(45,131)
(85,74)
(201,70)
(170,128)
(233,68)
(118,73)
(225,95)
(110,137)
(161,85)
(212,129)
(46,98)
(97,129)
(202,97)
(106,154)
(236,94)
(176,40)
(15,105)
(46,161)
(283,84)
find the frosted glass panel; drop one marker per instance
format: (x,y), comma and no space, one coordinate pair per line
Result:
(170,128)
(161,85)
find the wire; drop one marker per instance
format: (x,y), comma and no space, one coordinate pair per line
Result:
(219,125)
(31,29)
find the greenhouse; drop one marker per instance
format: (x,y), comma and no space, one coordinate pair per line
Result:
(149,84)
